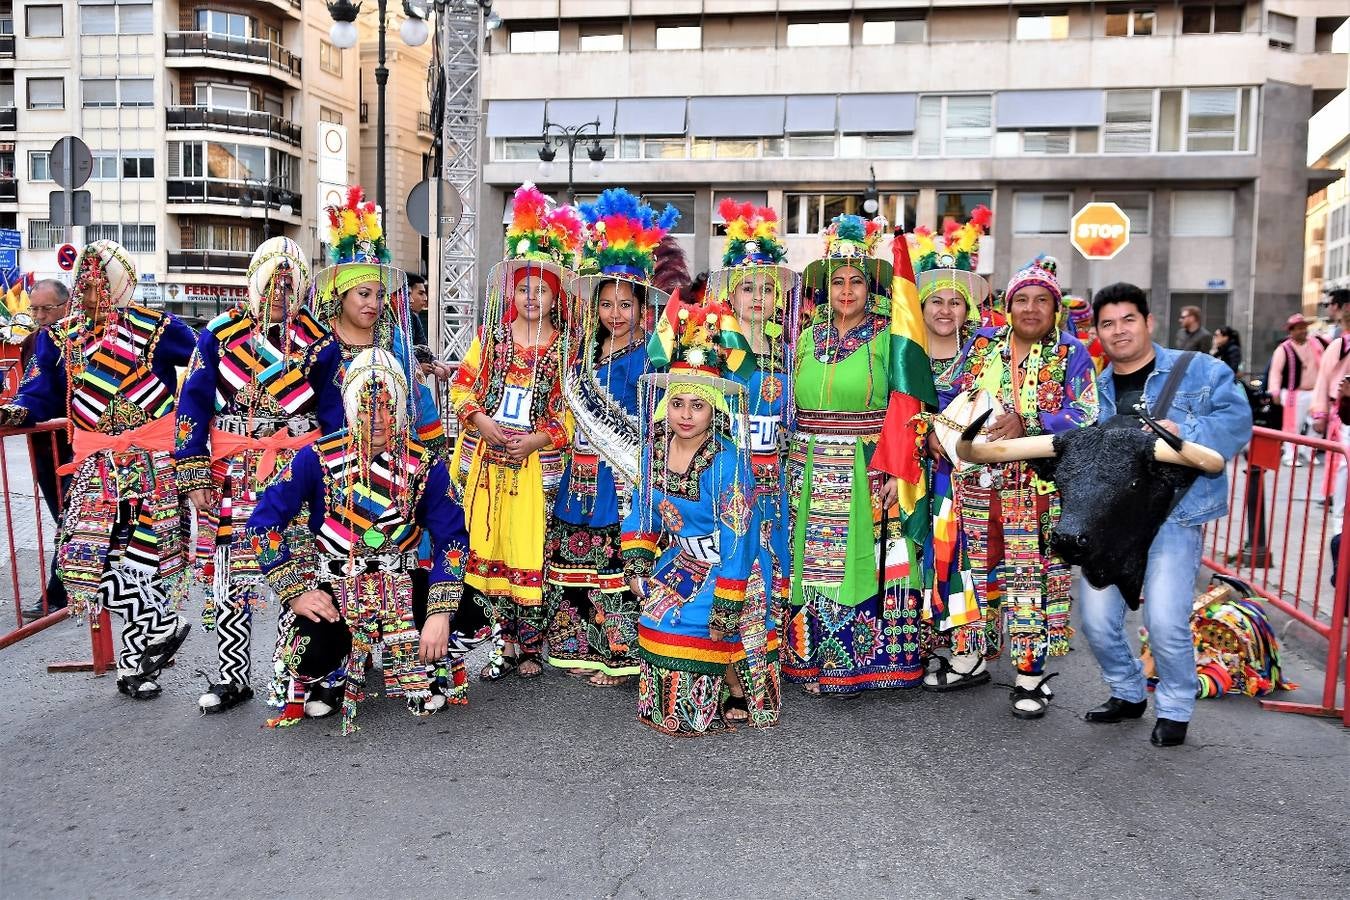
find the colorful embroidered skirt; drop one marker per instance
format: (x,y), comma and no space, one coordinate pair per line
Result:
(592,614)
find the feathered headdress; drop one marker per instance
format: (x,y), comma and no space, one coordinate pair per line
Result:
(949,261)
(850,240)
(752,235)
(541,231)
(357,252)
(700,338)
(624,234)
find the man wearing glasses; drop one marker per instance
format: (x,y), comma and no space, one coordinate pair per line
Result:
(49,302)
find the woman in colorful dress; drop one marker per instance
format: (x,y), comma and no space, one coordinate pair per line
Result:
(854,610)
(371,489)
(695,500)
(592,615)
(951,294)
(765,296)
(508,459)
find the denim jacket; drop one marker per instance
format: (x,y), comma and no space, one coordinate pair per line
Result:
(1211,409)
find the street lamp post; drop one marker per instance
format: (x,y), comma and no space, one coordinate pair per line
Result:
(571,136)
(246,200)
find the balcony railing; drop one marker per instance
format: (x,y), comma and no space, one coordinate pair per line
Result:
(9,190)
(236,120)
(200,190)
(9,118)
(209,260)
(424,122)
(254,50)
(6,46)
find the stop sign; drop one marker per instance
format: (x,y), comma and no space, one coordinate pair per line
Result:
(1099,231)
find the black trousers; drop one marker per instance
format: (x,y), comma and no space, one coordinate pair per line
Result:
(49,451)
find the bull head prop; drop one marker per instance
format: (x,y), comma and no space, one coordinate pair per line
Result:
(1117,485)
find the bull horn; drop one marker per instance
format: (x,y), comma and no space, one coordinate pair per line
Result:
(1190,454)
(1042,447)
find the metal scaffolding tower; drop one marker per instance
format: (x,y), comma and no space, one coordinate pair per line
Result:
(456,110)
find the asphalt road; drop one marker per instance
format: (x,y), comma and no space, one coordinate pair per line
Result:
(551,788)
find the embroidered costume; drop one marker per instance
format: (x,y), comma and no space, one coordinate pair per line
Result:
(1007,513)
(111,370)
(368,510)
(692,540)
(262,383)
(592,615)
(854,622)
(506,501)
(765,296)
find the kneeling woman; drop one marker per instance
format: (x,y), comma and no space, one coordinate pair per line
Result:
(696,497)
(371,490)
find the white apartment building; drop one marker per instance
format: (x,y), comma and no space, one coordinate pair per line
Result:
(1193,116)
(205,120)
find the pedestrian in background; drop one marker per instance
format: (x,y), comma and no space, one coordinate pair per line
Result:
(1227,347)
(1293,375)
(1192,335)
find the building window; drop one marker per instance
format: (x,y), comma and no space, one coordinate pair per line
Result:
(1138,205)
(43,235)
(1202,214)
(135,18)
(665,148)
(1129,122)
(1129,22)
(1211,120)
(1281,30)
(1211,18)
(543,41)
(100,19)
(222,96)
(811,146)
(1047,143)
(679,37)
(331,116)
(136,91)
(138,238)
(900,209)
(817,34)
(105,167)
(1040,213)
(682,202)
(228,238)
(810,214)
(138,165)
(1045,25)
(875,146)
(45,21)
(7,169)
(956,125)
(46,93)
(223,24)
(894,31)
(39,165)
(186,160)
(956,206)
(601,38)
(99,92)
(330,58)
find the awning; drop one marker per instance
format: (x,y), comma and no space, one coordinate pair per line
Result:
(1049,109)
(649,116)
(571,113)
(736,116)
(515,118)
(876,113)
(811,114)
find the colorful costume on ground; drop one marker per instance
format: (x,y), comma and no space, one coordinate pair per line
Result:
(1007,513)
(852,628)
(592,615)
(122,539)
(754,255)
(256,391)
(367,514)
(506,502)
(707,521)
(951,612)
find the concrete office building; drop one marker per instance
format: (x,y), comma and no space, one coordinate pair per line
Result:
(1328,223)
(204,119)
(1192,116)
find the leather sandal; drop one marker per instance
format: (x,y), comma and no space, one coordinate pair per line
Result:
(1039,696)
(947,678)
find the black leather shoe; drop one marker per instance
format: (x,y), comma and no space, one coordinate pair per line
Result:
(1168,733)
(1116,710)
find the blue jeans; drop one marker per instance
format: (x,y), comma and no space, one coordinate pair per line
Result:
(1169,590)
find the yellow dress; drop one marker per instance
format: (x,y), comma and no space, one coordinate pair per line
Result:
(507,503)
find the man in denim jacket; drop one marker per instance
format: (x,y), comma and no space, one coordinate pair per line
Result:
(1208,408)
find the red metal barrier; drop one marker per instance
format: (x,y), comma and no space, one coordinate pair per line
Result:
(20,514)
(1276,537)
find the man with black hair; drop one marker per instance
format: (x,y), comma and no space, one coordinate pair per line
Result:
(1207,407)
(418,302)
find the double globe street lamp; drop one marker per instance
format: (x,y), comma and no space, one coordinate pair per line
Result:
(570,136)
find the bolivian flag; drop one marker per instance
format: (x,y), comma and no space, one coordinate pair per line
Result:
(911,382)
